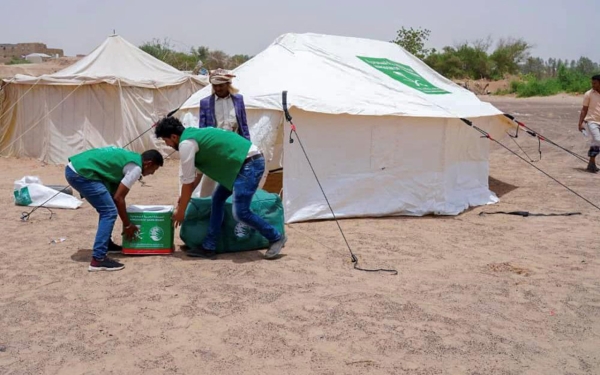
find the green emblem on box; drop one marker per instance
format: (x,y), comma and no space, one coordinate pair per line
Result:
(155,227)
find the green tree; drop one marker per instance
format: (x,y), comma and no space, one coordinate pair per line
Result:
(413,40)
(507,56)
(201,53)
(217,59)
(476,63)
(535,66)
(447,63)
(158,49)
(586,66)
(237,60)
(164,51)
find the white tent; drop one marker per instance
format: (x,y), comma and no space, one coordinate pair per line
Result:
(37,58)
(109,97)
(381,128)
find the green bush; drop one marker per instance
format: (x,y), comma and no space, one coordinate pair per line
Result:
(15,61)
(567,80)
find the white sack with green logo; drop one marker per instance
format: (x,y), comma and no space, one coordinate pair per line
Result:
(381,128)
(29,191)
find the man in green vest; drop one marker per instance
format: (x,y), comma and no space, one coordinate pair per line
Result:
(234,163)
(104,176)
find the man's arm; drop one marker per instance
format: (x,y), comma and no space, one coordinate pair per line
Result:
(197,180)
(194,185)
(582,116)
(189,178)
(584,110)
(128,229)
(119,199)
(132,173)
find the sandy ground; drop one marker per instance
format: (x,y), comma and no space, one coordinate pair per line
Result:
(475,294)
(48,67)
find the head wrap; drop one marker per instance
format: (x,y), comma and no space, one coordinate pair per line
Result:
(220,76)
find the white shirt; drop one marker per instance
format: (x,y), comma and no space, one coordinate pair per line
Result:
(187,154)
(591,99)
(131,173)
(225,113)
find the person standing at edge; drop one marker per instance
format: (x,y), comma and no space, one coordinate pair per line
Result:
(590,115)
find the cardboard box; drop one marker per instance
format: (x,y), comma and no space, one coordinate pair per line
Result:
(156,230)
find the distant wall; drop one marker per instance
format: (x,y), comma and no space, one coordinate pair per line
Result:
(10,51)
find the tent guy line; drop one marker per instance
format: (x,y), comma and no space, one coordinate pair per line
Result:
(20,97)
(534,133)
(40,120)
(288,117)
(512,137)
(488,136)
(530,132)
(25,215)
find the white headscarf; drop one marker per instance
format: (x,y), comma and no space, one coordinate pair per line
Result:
(220,76)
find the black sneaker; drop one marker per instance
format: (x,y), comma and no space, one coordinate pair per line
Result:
(114,248)
(201,253)
(105,264)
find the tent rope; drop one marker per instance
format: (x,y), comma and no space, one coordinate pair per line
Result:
(40,120)
(293,131)
(26,215)
(488,136)
(530,132)
(122,106)
(534,133)
(21,97)
(163,95)
(8,83)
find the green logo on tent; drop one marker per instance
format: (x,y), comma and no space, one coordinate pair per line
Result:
(403,74)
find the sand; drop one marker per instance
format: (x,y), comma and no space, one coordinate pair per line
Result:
(474,295)
(48,67)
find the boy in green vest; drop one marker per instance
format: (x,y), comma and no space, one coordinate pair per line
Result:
(234,163)
(104,176)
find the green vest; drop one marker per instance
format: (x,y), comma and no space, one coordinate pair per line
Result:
(105,164)
(221,153)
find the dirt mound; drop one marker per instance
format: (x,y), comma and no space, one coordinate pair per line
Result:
(35,70)
(484,86)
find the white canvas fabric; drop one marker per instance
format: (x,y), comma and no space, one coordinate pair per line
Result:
(324,74)
(30,191)
(107,98)
(381,128)
(117,62)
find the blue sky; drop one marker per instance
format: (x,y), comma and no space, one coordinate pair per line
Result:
(557,28)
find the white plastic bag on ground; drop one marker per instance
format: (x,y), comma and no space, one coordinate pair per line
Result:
(29,191)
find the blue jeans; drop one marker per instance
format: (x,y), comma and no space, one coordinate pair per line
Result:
(244,187)
(98,196)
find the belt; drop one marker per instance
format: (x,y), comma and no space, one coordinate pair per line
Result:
(253,157)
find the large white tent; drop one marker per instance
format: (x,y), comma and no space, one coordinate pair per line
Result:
(381,128)
(107,98)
